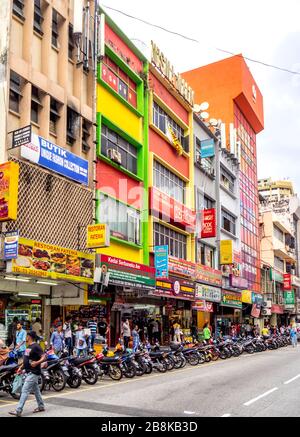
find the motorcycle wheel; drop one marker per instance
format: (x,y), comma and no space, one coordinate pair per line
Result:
(92,376)
(202,358)
(223,355)
(115,373)
(215,357)
(193,359)
(59,380)
(162,366)
(250,350)
(141,369)
(149,368)
(130,372)
(170,363)
(74,381)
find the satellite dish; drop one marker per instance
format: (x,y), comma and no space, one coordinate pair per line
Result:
(197,108)
(204,115)
(204,106)
(213,122)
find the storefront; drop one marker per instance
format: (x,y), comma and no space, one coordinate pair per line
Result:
(252,308)
(229,311)
(277,315)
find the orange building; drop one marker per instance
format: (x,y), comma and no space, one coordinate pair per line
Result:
(234,97)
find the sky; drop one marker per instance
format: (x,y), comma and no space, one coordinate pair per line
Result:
(266,30)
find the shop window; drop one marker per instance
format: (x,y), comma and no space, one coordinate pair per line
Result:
(123,220)
(117,149)
(18,9)
(86,133)
(168,182)
(54,35)
(38,17)
(15,92)
(118,80)
(71,44)
(228,222)
(177,242)
(35,104)
(227,180)
(165,123)
(54,115)
(72,126)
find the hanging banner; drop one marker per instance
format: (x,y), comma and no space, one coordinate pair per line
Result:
(161,261)
(209,229)
(9,186)
(203,306)
(11,245)
(255,311)
(226,252)
(287,281)
(207,148)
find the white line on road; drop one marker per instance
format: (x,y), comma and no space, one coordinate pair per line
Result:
(261,396)
(226,415)
(189,412)
(291,380)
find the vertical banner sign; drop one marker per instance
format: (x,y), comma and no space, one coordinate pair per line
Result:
(287,281)
(9,185)
(11,245)
(226,252)
(161,261)
(209,229)
(207,148)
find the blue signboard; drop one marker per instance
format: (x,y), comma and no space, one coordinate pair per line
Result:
(11,245)
(161,261)
(57,159)
(207,148)
(257,298)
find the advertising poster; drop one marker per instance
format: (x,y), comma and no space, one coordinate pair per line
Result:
(161,261)
(11,245)
(209,229)
(226,252)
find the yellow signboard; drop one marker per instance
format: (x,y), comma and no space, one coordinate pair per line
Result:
(53,262)
(247,296)
(9,185)
(226,252)
(98,236)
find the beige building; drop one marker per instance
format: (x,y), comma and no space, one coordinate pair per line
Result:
(42,85)
(275,190)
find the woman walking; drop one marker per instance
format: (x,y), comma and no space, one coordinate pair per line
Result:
(126,333)
(136,338)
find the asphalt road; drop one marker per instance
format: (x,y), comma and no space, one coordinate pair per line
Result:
(259,385)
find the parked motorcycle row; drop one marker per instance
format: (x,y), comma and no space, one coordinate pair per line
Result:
(59,372)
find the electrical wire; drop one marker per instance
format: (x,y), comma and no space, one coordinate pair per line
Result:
(286,70)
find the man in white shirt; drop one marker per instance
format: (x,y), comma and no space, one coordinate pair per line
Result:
(68,334)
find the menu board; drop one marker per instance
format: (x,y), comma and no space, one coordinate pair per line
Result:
(53,262)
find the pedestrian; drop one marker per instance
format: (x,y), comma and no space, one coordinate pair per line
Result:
(103,328)
(57,340)
(293,335)
(33,358)
(206,332)
(81,345)
(248,329)
(125,331)
(194,331)
(177,331)
(93,326)
(12,329)
(136,338)
(265,332)
(20,340)
(37,327)
(155,331)
(68,335)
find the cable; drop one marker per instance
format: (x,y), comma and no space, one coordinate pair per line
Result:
(286,70)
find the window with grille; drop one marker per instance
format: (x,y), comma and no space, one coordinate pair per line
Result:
(111,140)
(15,92)
(279,263)
(168,182)
(228,222)
(123,220)
(164,236)
(227,180)
(86,133)
(54,37)
(72,126)
(35,104)
(119,81)
(278,234)
(18,9)
(54,115)
(71,44)
(38,17)
(163,121)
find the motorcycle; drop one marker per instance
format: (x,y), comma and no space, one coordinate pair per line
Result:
(109,366)
(88,366)
(54,372)
(7,376)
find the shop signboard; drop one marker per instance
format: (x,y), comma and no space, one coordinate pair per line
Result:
(175,287)
(289,298)
(21,136)
(287,281)
(9,187)
(275,276)
(125,273)
(238,282)
(168,208)
(203,306)
(11,245)
(98,236)
(161,261)
(208,293)
(209,228)
(247,296)
(208,275)
(257,298)
(208,148)
(277,309)
(57,159)
(181,267)
(231,299)
(295,281)
(226,252)
(48,261)
(255,311)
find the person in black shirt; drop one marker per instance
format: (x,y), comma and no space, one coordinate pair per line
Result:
(103,328)
(32,360)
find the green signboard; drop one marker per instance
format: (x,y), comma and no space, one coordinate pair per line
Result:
(289,297)
(274,276)
(231,299)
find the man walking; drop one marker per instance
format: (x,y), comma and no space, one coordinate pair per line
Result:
(68,336)
(20,340)
(33,357)
(92,325)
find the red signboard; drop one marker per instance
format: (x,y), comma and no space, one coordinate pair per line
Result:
(255,311)
(208,275)
(203,306)
(277,309)
(172,210)
(174,287)
(287,281)
(209,229)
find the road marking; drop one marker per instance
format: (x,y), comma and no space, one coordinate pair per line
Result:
(291,380)
(189,412)
(226,415)
(259,397)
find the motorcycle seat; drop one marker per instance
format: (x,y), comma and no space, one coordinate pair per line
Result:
(188,350)
(109,360)
(155,354)
(9,367)
(78,361)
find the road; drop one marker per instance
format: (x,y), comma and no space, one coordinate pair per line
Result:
(259,385)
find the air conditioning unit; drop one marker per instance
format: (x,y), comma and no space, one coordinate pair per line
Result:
(114,155)
(266,312)
(264,304)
